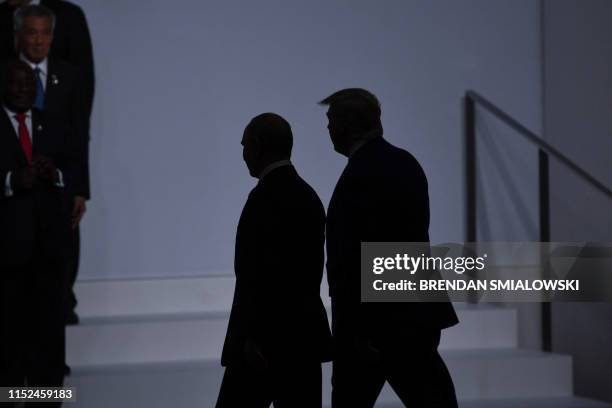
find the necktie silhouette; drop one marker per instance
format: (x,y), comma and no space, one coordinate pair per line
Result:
(24,136)
(40,91)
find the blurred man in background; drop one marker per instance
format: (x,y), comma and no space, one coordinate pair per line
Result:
(38,160)
(64,91)
(71,39)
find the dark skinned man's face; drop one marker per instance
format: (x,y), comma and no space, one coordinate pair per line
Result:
(20,89)
(35,37)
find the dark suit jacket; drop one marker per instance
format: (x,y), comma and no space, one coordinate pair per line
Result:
(64,104)
(7,37)
(279,266)
(382,196)
(72,44)
(71,41)
(36,215)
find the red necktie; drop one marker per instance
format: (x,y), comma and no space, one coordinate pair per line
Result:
(24,136)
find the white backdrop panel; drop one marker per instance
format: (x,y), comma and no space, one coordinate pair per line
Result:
(178,81)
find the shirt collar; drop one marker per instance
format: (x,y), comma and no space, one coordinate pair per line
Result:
(12,114)
(371,136)
(356,147)
(42,65)
(273,166)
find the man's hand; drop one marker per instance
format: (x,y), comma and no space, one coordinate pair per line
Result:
(254,356)
(22,179)
(45,169)
(78,211)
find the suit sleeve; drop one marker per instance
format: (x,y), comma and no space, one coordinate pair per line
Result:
(79,135)
(273,258)
(289,267)
(6,180)
(81,54)
(5,177)
(381,210)
(384,199)
(64,150)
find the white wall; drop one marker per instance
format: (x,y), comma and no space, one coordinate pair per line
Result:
(178,81)
(578,102)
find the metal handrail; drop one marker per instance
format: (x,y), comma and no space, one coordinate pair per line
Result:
(538,141)
(471,99)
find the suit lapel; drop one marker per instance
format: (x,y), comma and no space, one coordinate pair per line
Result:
(10,138)
(51,83)
(36,130)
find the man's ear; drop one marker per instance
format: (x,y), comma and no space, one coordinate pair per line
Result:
(345,130)
(258,150)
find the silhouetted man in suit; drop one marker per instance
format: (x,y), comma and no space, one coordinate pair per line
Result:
(60,95)
(278,333)
(381,196)
(37,161)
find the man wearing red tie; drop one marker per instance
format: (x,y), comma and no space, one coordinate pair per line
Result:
(37,162)
(60,95)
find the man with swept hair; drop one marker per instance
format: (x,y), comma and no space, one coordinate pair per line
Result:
(278,333)
(381,196)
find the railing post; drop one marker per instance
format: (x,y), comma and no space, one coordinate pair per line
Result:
(545,237)
(470,167)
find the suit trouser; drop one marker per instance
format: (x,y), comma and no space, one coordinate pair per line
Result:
(32,339)
(71,269)
(413,368)
(287,385)
(70,263)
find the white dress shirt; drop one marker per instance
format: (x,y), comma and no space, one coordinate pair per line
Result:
(8,191)
(273,166)
(43,68)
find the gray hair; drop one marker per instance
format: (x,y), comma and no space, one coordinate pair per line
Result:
(34,10)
